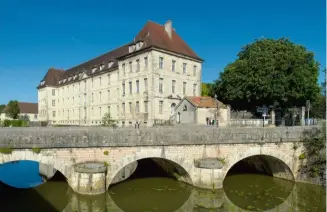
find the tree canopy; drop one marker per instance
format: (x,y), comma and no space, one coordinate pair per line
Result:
(13,110)
(2,107)
(205,89)
(269,72)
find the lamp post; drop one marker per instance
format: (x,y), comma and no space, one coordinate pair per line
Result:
(217,112)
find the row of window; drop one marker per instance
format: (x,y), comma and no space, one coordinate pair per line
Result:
(161,66)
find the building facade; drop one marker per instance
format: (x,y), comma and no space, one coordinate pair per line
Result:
(142,81)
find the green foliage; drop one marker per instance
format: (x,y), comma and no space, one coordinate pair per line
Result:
(106,164)
(36,150)
(108,121)
(12,110)
(106,152)
(271,72)
(302,156)
(2,107)
(315,152)
(6,150)
(205,89)
(14,123)
(222,160)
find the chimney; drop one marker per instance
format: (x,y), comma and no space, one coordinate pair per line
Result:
(169,28)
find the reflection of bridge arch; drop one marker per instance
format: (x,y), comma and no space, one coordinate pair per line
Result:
(28,155)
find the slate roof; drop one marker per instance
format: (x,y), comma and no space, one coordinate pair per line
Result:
(152,35)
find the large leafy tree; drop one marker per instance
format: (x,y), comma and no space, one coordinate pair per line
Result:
(205,89)
(13,110)
(270,72)
(2,107)
(318,109)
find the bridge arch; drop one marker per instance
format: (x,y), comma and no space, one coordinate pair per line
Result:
(29,155)
(176,165)
(280,164)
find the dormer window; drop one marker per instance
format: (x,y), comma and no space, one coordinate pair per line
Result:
(75,77)
(60,81)
(64,80)
(69,78)
(131,48)
(101,67)
(110,63)
(42,83)
(94,69)
(139,45)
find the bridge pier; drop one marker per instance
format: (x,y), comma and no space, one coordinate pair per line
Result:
(89,178)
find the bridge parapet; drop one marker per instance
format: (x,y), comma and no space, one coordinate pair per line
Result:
(79,137)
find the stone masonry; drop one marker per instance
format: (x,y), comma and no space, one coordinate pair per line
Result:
(64,149)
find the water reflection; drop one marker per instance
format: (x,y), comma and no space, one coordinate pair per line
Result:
(162,194)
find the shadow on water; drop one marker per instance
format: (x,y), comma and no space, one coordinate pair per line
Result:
(50,197)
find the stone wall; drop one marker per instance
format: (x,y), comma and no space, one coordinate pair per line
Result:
(55,137)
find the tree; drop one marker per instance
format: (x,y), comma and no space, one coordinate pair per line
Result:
(269,72)
(205,89)
(108,121)
(318,108)
(12,110)
(2,107)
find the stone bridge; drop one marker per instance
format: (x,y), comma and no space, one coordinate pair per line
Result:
(91,159)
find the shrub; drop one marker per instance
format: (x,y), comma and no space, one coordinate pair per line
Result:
(6,150)
(14,123)
(36,150)
(106,152)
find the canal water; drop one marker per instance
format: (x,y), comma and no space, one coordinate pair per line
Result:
(242,192)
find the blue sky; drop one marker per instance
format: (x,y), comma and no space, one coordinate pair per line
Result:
(36,35)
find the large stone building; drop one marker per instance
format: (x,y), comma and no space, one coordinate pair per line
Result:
(141,81)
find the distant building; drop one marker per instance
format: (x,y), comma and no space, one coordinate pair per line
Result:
(197,109)
(26,109)
(141,81)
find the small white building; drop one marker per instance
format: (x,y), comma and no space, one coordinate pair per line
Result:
(197,109)
(26,109)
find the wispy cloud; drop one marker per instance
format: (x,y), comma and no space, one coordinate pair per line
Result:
(76,40)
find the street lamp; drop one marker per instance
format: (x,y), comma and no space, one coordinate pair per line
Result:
(217,111)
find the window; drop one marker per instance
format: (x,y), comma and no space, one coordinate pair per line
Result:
(53,103)
(194,71)
(130,67)
(137,107)
(100,112)
(160,62)
(184,88)
(130,87)
(130,108)
(92,97)
(92,82)
(123,85)
(53,113)
(73,100)
(94,69)
(123,66)
(110,64)
(117,109)
(108,94)
(185,108)
(137,86)
(109,109)
(101,67)
(184,68)
(137,65)
(108,79)
(173,64)
(123,108)
(146,62)
(145,84)
(145,106)
(161,85)
(100,96)
(92,111)
(53,92)
(100,81)
(173,84)
(160,107)
(194,89)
